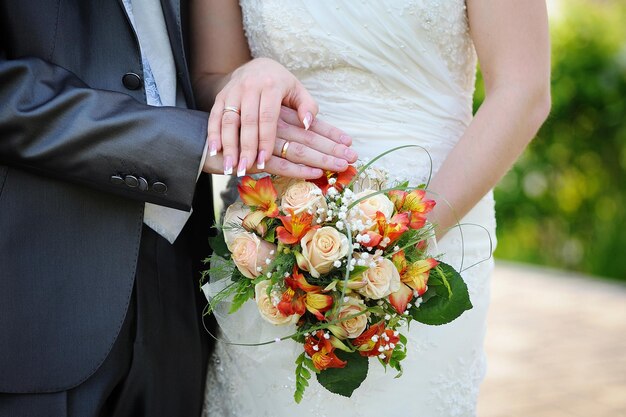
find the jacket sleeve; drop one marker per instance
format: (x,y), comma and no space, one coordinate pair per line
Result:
(53,124)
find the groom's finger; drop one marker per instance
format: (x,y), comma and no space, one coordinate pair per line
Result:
(301,154)
(318,126)
(315,141)
(285,168)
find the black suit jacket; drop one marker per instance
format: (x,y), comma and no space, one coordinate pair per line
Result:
(70,230)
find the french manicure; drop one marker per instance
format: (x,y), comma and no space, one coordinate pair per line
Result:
(308,119)
(345,139)
(228,165)
(212,148)
(241,169)
(260,162)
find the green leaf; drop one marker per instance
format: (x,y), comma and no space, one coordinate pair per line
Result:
(439,309)
(244,292)
(218,244)
(270,236)
(344,381)
(302,377)
(358,270)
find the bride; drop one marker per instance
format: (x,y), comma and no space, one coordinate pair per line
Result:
(389,73)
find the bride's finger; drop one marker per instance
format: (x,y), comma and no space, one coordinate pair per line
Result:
(269,112)
(214,129)
(320,127)
(231,121)
(249,131)
(301,154)
(317,142)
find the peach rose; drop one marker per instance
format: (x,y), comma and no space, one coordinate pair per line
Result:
(250,254)
(282,183)
(382,280)
(351,327)
(268,309)
(366,209)
(301,196)
(320,248)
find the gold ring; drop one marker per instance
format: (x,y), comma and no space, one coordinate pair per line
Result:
(283,151)
(231,108)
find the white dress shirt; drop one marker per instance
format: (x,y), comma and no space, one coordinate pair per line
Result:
(159,72)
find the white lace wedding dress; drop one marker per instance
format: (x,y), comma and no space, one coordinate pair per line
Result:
(390,73)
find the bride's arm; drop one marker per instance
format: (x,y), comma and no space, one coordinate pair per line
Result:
(512,42)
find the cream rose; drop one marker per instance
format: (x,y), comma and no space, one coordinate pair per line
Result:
(349,328)
(366,209)
(320,248)
(382,280)
(267,307)
(250,254)
(301,196)
(233,222)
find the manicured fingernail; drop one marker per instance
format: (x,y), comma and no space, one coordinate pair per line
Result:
(308,119)
(341,163)
(241,169)
(228,165)
(260,162)
(350,154)
(345,139)
(212,149)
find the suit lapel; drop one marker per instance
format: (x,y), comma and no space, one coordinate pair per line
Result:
(172,13)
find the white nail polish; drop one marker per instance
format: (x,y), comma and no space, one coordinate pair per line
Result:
(241,172)
(213,152)
(261,165)
(228,171)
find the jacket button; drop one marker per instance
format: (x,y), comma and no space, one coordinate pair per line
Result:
(131,81)
(117,180)
(131,181)
(143,183)
(159,187)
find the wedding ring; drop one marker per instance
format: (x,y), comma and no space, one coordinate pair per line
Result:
(231,108)
(283,151)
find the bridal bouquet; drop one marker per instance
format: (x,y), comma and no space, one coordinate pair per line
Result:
(345,260)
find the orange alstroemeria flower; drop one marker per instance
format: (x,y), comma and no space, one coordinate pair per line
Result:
(400,299)
(341,179)
(295,227)
(260,194)
(399,260)
(290,304)
(388,231)
(308,296)
(416,275)
(321,351)
(418,206)
(371,340)
(397,197)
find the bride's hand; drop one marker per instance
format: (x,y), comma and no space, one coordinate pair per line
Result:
(252,109)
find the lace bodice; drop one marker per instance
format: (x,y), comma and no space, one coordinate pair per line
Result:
(284,31)
(389,73)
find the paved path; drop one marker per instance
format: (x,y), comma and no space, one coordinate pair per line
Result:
(556,346)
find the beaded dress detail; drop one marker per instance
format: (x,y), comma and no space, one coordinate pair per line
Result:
(389,73)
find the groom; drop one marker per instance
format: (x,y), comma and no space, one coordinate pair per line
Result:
(98,309)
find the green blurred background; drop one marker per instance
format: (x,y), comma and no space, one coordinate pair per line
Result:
(563,203)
